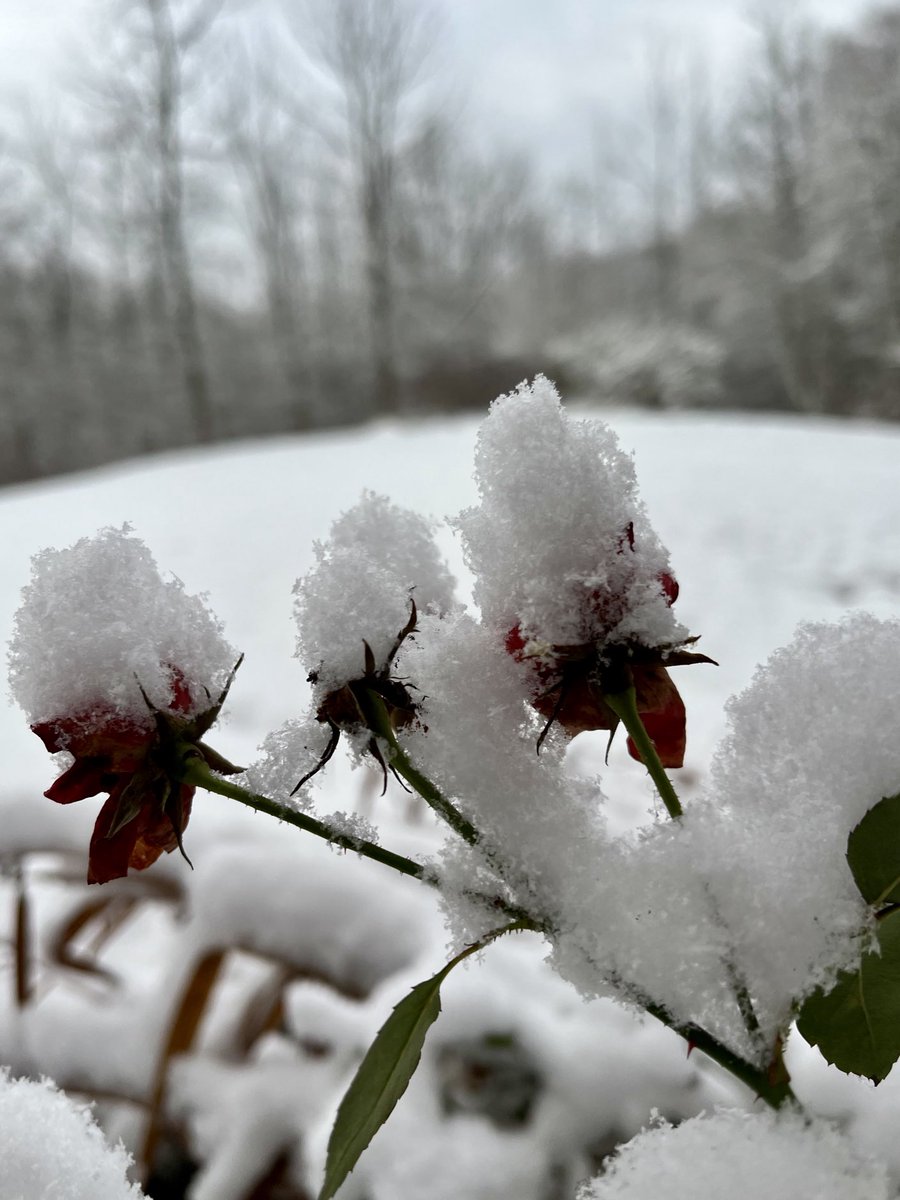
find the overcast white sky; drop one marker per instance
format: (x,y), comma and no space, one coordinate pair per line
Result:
(533,69)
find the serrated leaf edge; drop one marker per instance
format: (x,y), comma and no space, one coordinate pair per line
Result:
(340,1161)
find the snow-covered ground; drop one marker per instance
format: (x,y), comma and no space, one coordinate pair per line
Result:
(769,522)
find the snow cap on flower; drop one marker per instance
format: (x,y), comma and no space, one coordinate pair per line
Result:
(744,1156)
(560,544)
(117,666)
(97,620)
(378,557)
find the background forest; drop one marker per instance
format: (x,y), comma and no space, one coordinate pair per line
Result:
(215,235)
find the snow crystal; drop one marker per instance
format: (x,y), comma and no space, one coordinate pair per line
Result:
(551,542)
(779,1156)
(377,558)
(351,825)
(50,1146)
(97,620)
(812,746)
(287,754)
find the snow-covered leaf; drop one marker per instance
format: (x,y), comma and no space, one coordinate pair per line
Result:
(873,852)
(385,1072)
(856,1025)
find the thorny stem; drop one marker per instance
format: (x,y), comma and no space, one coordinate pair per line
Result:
(624,705)
(196,773)
(773,1086)
(378,721)
(741,991)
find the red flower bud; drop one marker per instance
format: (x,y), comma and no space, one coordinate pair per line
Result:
(148,805)
(569,682)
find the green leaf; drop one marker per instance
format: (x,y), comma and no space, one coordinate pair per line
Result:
(857,1024)
(386,1070)
(873,852)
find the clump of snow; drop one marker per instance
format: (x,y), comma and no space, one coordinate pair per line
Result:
(378,557)
(286,755)
(628,918)
(352,923)
(745,1156)
(260,1113)
(98,623)
(812,746)
(51,1147)
(539,827)
(551,542)
(351,825)
(645,928)
(753,883)
(676,913)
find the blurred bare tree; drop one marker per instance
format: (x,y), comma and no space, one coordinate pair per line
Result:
(266,140)
(144,77)
(221,233)
(374,54)
(776,160)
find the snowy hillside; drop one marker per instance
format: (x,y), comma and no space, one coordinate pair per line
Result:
(768,522)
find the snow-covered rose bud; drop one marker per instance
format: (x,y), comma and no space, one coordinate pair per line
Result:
(355,608)
(126,673)
(569,682)
(570,573)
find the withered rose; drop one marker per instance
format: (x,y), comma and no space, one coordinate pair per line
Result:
(137,765)
(569,682)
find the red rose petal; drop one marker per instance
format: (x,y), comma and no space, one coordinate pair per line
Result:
(86,777)
(108,857)
(662,712)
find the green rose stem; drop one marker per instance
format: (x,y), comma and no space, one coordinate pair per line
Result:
(773,1085)
(624,705)
(379,722)
(195,771)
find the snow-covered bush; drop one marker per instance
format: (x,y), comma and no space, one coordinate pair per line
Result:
(651,363)
(772,896)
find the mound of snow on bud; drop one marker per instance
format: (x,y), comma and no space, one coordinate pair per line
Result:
(744,1156)
(98,623)
(560,544)
(50,1147)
